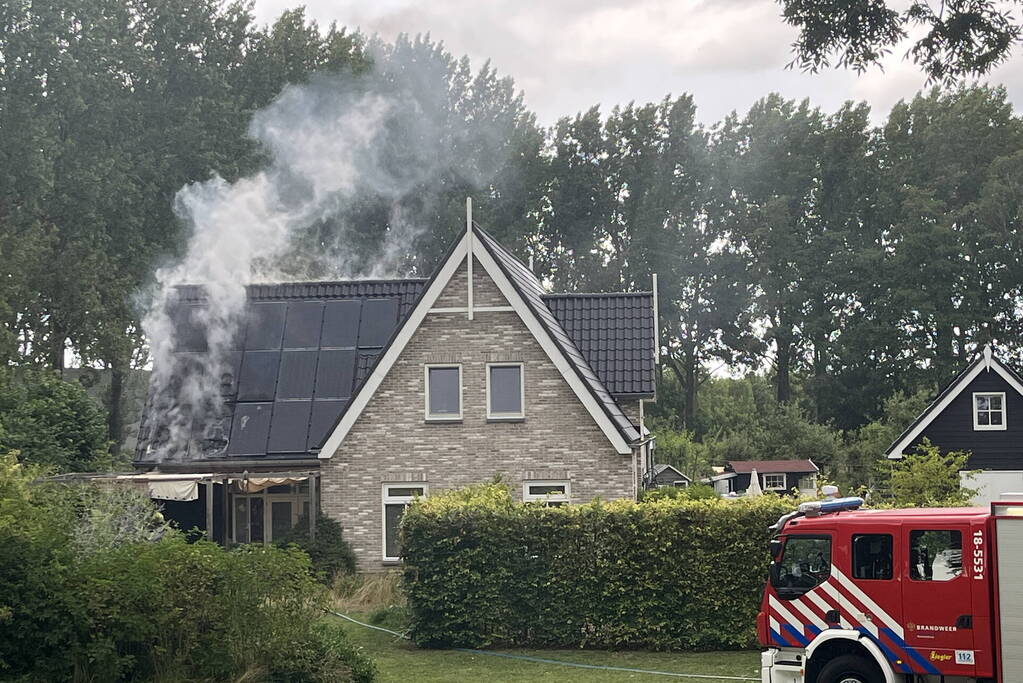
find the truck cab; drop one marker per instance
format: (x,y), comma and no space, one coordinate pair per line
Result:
(878,596)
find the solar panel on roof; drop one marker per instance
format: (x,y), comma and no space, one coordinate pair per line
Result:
(340,324)
(302,325)
(379,318)
(258,379)
(189,334)
(325,414)
(249,429)
(289,426)
(297,375)
(335,373)
(265,327)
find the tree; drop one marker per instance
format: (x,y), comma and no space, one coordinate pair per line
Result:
(960,37)
(930,478)
(52,423)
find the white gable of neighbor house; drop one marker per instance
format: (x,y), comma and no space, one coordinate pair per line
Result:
(988,364)
(427,304)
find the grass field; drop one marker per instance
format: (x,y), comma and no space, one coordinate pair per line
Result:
(399,660)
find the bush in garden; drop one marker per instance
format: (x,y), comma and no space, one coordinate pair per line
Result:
(159,610)
(330,553)
(481,570)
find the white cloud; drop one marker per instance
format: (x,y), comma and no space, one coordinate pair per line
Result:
(570,54)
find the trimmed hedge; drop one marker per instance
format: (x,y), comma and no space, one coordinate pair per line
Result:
(481,570)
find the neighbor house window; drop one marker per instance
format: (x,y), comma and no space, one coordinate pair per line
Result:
(397,497)
(552,493)
(505,394)
(989,411)
(443,392)
(774,482)
(808,481)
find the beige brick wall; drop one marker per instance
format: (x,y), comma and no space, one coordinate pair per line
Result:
(391,442)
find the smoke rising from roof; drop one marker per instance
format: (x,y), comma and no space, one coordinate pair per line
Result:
(333,144)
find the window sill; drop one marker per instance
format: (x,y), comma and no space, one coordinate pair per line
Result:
(443,420)
(391,563)
(506,419)
(982,428)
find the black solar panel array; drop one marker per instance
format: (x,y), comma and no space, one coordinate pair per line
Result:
(297,364)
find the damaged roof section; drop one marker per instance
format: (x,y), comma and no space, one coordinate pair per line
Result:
(301,352)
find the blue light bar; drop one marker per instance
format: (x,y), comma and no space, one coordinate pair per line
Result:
(820,507)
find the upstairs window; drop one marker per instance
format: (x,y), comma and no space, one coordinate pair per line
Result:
(989,411)
(443,392)
(505,396)
(550,493)
(774,482)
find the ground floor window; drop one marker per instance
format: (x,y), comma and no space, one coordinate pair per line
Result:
(774,482)
(552,493)
(397,497)
(269,514)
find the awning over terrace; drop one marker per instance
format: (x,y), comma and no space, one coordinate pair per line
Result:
(184,486)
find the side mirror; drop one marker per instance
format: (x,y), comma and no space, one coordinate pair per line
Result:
(775,548)
(774,572)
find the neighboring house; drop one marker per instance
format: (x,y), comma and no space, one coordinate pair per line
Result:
(666,475)
(356,397)
(981,412)
(779,476)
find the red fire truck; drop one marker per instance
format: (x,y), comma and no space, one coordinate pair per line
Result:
(895,596)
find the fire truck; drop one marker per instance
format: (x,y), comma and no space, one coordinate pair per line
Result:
(895,596)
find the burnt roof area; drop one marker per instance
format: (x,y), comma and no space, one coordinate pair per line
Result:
(304,349)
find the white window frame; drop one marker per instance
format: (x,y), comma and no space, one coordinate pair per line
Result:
(442,417)
(297,499)
(522,392)
(977,427)
(388,499)
(547,498)
(764,485)
(812,482)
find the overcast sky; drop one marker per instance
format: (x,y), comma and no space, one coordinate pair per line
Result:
(567,55)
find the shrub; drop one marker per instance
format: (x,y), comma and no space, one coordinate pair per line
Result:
(482,571)
(330,553)
(119,609)
(692,492)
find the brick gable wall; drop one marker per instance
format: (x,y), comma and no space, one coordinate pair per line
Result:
(391,442)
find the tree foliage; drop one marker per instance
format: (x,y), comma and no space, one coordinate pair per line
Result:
(930,478)
(958,38)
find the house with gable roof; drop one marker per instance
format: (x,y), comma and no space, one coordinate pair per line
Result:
(979,412)
(356,397)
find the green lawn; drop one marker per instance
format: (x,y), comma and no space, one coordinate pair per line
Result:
(399,660)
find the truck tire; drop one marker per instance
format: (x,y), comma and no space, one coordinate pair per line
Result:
(850,669)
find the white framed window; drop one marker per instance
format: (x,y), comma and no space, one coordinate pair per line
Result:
(552,493)
(443,392)
(989,411)
(774,482)
(396,498)
(808,481)
(506,394)
(268,515)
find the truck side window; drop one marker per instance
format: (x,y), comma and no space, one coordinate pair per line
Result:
(935,554)
(805,563)
(872,556)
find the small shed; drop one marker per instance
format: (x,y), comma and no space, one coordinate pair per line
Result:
(779,476)
(666,475)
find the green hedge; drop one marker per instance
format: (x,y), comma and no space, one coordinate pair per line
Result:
(483,571)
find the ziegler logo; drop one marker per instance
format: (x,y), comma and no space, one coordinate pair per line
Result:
(978,555)
(940,657)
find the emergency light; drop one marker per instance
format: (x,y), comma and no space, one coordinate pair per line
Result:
(821,507)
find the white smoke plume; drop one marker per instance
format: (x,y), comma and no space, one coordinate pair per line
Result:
(329,143)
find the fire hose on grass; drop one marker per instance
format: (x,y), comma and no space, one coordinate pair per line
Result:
(544,660)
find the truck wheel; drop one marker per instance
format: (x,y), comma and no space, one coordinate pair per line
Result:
(849,669)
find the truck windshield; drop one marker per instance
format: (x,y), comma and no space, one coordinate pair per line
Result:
(805,563)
